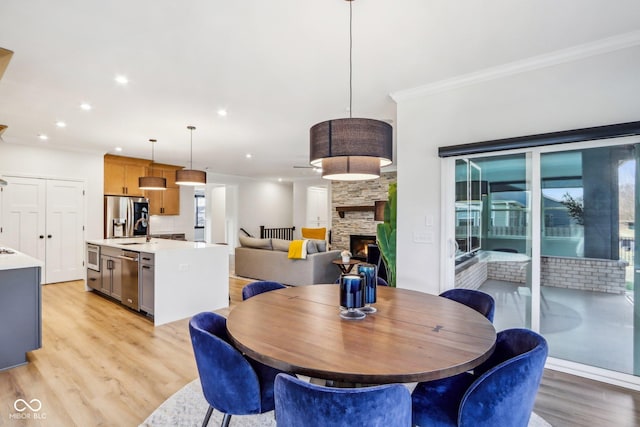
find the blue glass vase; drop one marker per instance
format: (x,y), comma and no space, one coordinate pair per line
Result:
(352,296)
(370,274)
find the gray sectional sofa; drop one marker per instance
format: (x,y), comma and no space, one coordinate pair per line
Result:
(267,259)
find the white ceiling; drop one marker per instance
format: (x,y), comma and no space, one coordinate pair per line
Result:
(277,66)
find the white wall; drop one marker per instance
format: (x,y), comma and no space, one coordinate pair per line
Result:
(40,162)
(592,91)
(218,198)
(300,188)
(264,203)
(251,203)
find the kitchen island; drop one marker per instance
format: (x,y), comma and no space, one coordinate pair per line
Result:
(176,279)
(20,307)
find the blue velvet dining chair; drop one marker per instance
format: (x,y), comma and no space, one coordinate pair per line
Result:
(481,302)
(255,288)
(231,383)
(499,392)
(299,403)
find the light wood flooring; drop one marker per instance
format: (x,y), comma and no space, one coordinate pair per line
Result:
(103,365)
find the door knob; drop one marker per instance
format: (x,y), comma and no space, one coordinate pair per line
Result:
(42,236)
(48,236)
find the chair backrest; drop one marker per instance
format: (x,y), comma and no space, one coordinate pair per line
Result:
(507,384)
(299,403)
(481,302)
(255,288)
(229,382)
(319,233)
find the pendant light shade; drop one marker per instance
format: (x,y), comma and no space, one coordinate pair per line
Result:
(351,168)
(351,149)
(351,137)
(190,176)
(152,182)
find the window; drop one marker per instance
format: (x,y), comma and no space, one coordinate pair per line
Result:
(200,210)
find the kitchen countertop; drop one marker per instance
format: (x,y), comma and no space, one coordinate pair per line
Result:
(18,260)
(139,244)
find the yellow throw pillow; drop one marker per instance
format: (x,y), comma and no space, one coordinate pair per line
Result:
(314,233)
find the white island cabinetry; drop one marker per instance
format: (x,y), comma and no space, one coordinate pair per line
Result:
(177,279)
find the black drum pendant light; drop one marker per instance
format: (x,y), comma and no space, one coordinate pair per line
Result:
(152,182)
(190,176)
(351,149)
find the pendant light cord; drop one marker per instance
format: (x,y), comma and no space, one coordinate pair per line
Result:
(350,59)
(191,128)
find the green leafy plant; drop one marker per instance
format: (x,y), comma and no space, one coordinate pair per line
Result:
(575,207)
(386,235)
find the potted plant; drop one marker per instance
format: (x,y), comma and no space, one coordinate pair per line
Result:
(386,235)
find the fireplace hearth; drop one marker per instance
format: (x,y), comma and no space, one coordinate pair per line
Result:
(358,245)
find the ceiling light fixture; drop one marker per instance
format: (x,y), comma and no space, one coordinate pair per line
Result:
(222,112)
(61,124)
(85,106)
(120,79)
(353,148)
(42,136)
(190,176)
(152,182)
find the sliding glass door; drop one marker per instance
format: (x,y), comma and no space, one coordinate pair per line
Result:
(556,246)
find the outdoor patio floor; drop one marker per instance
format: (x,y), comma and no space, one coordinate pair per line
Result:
(591,328)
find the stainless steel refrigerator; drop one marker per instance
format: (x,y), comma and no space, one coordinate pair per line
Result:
(125,216)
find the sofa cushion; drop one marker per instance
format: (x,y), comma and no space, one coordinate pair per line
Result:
(253,242)
(311,247)
(321,245)
(280,245)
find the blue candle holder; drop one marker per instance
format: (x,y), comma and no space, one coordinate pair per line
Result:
(352,296)
(370,274)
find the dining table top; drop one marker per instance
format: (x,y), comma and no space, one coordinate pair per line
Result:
(412,337)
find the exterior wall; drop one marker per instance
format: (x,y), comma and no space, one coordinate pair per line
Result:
(473,276)
(585,274)
(599,275)
(356,193)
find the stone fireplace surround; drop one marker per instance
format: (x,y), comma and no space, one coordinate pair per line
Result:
(356,193)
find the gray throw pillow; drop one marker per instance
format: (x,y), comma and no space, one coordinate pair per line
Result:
(321,245)
(253,242)
(280,245)
(311,247)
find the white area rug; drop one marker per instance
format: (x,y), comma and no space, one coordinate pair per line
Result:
(187,407)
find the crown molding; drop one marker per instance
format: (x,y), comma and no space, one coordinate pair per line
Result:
(599,47)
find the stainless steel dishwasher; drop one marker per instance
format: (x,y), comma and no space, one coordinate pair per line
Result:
(130,279)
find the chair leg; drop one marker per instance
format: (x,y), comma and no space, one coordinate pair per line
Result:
(207,416)
(225,420)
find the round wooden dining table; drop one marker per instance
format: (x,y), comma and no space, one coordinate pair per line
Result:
(412,337)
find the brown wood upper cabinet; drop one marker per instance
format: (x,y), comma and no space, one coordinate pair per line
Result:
(164,202)
(121,175)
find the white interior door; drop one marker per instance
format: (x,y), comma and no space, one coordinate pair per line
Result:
(317,202)
(65,234)
(23,216)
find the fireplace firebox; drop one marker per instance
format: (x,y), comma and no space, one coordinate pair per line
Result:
(358,245)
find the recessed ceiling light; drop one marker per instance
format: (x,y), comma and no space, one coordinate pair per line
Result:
(248,155)
(123,80)
(118,149)
(42,136)
(61,124)
(279,179)
(85,106)
(222,112)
